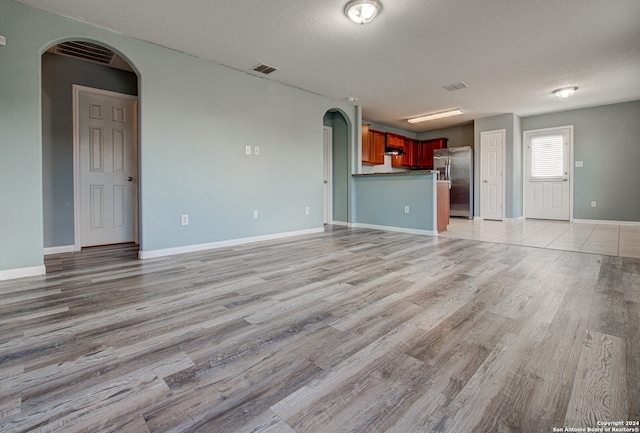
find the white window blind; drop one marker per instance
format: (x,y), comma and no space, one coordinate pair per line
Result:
(547,154)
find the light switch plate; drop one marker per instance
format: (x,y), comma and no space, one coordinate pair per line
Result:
(579,164)
(247,150)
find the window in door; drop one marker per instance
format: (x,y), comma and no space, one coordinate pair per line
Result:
(547,157)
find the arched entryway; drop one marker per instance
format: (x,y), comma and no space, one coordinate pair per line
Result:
(339,160)
(95,69)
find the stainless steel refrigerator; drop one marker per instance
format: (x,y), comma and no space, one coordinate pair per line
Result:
(456,165)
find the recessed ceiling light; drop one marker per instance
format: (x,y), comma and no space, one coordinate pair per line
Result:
(433,116)
(362,11)
(565,92)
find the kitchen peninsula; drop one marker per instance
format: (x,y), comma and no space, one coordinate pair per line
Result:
(398,201)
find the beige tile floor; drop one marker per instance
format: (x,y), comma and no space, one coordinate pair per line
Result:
(608,239)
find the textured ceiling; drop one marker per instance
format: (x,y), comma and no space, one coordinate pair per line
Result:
(511,53)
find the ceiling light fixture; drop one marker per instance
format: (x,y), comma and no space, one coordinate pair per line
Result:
(362,11)
(565,92)
(433,116)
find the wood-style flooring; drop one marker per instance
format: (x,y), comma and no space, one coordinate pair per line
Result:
(350,330)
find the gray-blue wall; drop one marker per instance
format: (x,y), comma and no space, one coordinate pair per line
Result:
(59,73)
(607,140)
(380,201)
(458,137)
(196,117)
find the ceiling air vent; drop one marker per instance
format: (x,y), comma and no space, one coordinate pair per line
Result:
(86,51)
(456,86)
(264,69)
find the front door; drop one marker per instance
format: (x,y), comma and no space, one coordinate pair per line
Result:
(492,145)
(547,173)
(106,167)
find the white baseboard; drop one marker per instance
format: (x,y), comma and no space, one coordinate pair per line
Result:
(59,250)
(513,220)
(221,244)
(339,223)
(11,274)
(395,229)
(619,223)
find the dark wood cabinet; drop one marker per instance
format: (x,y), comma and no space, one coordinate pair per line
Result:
(372,146)
(397,142)
(428,146)
(417,154)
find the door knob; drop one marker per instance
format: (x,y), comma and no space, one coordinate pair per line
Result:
(129,179)
(485,181)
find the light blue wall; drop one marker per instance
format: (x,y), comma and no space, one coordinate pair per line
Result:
(196,117)
(59,73)
(607,140)
(380,200)
(513,158)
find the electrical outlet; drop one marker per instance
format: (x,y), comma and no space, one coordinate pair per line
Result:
(184,220)
(306,210)
(256,151)
(247,150)
(593,203)
(406,209)
(255,214)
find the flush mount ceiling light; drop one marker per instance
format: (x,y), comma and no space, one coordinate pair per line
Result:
(565,92)
(433,116)
(362,11)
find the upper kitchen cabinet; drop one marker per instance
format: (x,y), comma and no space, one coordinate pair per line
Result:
(428,146)
(396,141)
(372,146)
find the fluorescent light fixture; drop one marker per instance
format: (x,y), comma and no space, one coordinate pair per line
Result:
(362,11)
(565,92)
(433,116)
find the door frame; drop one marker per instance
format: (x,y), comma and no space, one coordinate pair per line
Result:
(503,131)
(525,134)
(327,168)
(77,90)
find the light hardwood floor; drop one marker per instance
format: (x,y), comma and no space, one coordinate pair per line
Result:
(351,330)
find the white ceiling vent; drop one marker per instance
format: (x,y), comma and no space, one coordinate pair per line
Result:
(456,86)
(264,69)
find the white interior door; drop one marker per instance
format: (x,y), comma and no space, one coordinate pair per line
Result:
(106,167)
(492,149)
(328,171)
(547,172)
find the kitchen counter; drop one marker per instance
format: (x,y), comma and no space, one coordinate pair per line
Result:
(397,201)
(398,173)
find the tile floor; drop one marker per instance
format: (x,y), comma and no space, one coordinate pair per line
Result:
(608,239)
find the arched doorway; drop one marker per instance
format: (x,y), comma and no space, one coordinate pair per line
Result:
(93,66)
(340,174)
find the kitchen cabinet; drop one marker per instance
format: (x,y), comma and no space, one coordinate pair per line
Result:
(397,142)
(426,161)
(372,146)
(443,205)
